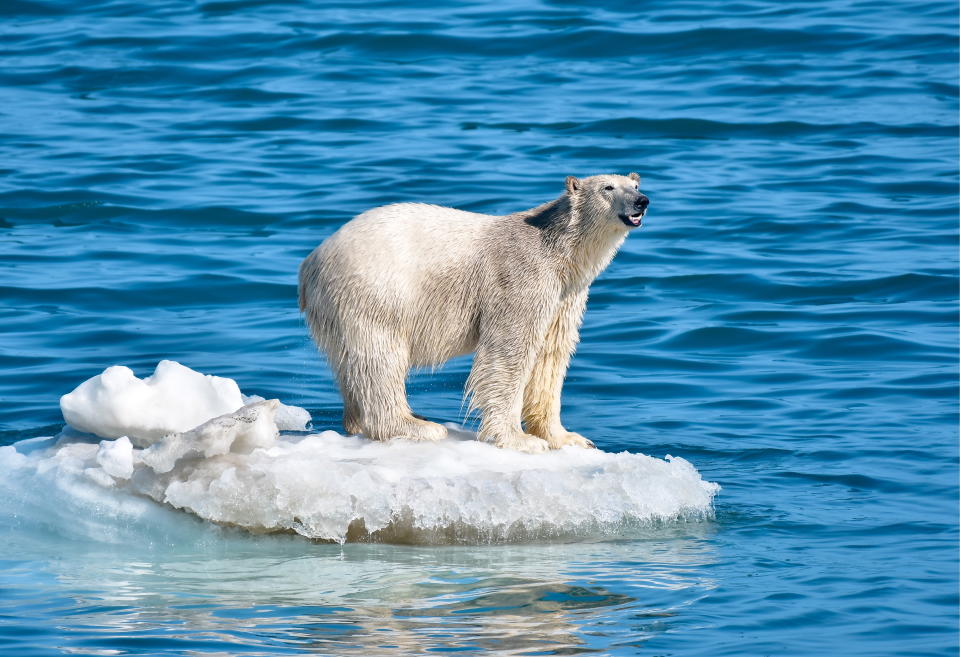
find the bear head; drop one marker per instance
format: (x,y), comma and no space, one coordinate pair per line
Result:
(609,198)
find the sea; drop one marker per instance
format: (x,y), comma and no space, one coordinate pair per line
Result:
(786,320)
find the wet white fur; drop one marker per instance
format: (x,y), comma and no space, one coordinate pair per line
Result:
(413,285)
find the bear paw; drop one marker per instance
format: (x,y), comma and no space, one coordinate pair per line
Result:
(415,429)
(522,442)
(569,438)
(423,430)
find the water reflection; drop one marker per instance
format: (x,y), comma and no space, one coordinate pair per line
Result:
(270,593)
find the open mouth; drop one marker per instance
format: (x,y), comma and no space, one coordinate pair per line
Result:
(634,220)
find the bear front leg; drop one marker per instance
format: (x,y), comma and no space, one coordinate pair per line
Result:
(541,398)
(510,339)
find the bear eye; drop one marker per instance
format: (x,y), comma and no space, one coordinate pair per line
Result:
(609,188)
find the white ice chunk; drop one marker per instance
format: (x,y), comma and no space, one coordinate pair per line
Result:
(288,418)
(230,466)
(242,431)
(175,398)
(234,470)
(335,487)
(116,457)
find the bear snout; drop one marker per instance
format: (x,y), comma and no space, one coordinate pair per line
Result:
(642,202)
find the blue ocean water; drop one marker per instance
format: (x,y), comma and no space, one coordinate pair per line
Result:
(786,320)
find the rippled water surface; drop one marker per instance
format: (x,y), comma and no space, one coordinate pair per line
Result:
(786,320)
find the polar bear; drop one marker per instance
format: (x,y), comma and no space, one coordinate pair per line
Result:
(413,285)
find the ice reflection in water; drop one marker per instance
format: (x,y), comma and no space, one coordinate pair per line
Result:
(282,592)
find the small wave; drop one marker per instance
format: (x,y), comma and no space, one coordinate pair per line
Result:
(696,128)
(592,42)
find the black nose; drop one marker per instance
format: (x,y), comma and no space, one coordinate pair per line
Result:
(642,202)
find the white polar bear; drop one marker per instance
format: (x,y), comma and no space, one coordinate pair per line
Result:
(413,285)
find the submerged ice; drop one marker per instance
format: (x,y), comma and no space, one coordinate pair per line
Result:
(235,468)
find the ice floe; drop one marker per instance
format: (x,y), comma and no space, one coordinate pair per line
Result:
(234,468)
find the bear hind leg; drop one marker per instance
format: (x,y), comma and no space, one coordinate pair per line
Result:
(375,401)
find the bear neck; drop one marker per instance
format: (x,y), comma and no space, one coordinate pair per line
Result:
(582,240)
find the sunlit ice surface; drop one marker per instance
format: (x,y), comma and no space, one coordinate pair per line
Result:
(237,470)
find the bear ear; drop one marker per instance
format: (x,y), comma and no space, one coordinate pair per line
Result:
(635,177)
(573,185)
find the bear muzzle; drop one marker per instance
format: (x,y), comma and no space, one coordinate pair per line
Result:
(636,219)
